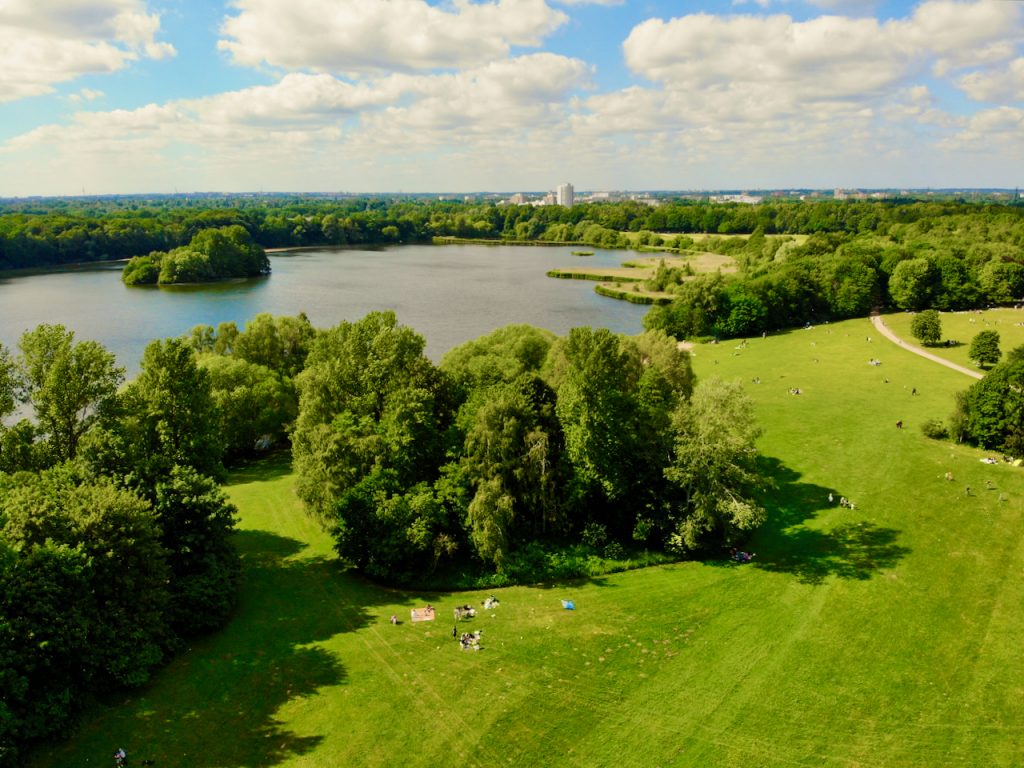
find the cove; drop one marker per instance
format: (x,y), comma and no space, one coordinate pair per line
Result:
(449,294)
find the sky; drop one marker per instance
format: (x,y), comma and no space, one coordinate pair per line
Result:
(158,96)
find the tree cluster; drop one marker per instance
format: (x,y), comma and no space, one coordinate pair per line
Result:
(212,254)
(517,438)
(967,259)
(991,413)
(114,535)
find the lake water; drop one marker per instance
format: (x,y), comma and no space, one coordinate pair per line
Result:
(449,294)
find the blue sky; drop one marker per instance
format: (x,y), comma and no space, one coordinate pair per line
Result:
(119,96)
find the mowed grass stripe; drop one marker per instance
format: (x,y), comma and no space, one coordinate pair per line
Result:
(887,635)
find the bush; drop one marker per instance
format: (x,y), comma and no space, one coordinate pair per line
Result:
(615,551)
(934,429)
(594,535)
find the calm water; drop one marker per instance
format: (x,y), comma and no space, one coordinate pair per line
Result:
(449,294)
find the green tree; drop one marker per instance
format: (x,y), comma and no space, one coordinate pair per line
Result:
(713,467)
(67,383)
(278,343)
(125,566)
(1002,281)
(196,523)
(991,412)
(254,404)
(911,284)
(173,411)
(367,396)
(927,327)
(597,410)
(985,348)
(8,384)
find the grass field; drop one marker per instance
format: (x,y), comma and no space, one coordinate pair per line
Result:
(961,327)
(623,282)
(887,635)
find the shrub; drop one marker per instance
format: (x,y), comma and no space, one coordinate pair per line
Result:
(935,429)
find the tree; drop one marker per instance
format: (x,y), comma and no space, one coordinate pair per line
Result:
(991,412)
(8,383)
(278,343)
(713,467)
(254,404)
(123,563)
(985,348)
(67,383)
(367,397)
(911,284)
(927,327)
(196,523)
(597,410)
(174,412)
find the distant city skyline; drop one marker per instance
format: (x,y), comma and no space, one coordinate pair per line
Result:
(154,96)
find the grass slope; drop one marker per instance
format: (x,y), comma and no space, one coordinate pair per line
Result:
(962,327)
(887,635)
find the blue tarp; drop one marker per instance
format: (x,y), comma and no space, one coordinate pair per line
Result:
(569,605)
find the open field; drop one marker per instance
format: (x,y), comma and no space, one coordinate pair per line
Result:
(961,327)
(623,282)
(887,635)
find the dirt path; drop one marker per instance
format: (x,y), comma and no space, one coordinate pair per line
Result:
(883,329)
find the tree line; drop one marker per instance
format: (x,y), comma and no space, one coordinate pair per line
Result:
(964,260)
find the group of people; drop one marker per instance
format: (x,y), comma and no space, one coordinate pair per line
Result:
(796,391)
(874,361)
(739,556)
(465,611)
(468,640)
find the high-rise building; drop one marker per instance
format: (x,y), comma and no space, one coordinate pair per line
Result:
(565,195)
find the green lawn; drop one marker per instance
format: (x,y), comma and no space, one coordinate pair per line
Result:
(961,327)
(888,635)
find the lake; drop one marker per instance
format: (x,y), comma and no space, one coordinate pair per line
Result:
(449,294)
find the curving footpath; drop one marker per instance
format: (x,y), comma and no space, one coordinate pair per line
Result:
(876,320)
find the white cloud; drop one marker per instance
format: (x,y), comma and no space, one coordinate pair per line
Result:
(85,94)
(995,85)
(44,42)
(992,132)
(590,2)
(501,99)
(347,36)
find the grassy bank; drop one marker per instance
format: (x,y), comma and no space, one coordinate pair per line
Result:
(886,635)
(961,327)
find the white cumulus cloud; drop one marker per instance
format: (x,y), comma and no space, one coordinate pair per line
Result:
(995,85)
(348,36)
(45,42)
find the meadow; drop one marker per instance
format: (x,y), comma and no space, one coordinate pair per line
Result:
(884,635)
(961,327)
(624,282)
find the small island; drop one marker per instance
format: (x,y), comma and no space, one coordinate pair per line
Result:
(582,253)
(212,254)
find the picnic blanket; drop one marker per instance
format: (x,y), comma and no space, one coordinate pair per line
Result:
(422,614)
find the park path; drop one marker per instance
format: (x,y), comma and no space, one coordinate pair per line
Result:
(876,320)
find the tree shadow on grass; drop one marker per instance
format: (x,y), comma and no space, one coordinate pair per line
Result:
(262,469)
(219,703)
(855,550)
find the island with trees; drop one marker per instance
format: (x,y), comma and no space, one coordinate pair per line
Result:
(212,254)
